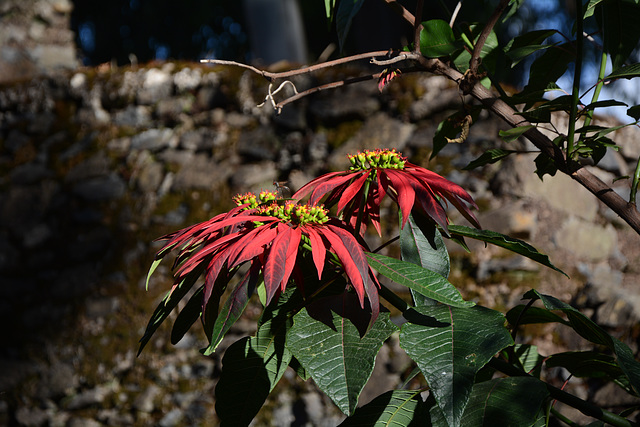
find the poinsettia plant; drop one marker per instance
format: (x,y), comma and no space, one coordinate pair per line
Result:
(326,310)
(322,313)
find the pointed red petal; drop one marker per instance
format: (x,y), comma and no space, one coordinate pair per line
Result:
(274,270)
(248,249)
(308,187)
(327,185)
(352,192)
(318,249)
(405,193)
(295,234)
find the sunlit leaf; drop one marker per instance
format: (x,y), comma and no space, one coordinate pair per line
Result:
(426,282)
(437,39)
(512,134)
(515,245)
(393,408)
(450,356)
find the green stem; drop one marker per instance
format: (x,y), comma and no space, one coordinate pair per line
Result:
(634,184)
(576,81)
(596,92)
(566,398)
(564,419)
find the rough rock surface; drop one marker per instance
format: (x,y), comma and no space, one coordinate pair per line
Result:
(97,163)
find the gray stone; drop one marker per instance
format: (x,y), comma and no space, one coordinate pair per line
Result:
(145,401)
(89,398)
(101,188)
(255,177)
(187,79)
(260,144)
(96,166)
(154,140)
(157,84)
(587,240)
(136,116)
(30,173)
(354,102)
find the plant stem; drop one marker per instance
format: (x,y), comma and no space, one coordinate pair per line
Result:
(566,398)
(575,95)
(596,91)
(634,184)
(564,419)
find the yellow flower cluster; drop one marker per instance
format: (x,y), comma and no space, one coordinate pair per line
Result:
(294,213)
(376,159)
(253,200)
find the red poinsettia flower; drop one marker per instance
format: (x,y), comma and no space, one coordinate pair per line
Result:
(269,234)
(359,191)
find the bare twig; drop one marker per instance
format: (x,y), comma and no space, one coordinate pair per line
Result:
(395,59)
(305,70)
(454,15)
(406,15)
(417,26)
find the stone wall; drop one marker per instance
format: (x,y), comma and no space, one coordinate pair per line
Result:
(97,163)
(36,39)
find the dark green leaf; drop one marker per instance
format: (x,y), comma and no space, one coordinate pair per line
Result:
(634,112)
(437,39)
(514,245)
(532,315)
(232,310)
(627,72)
(605,103)
(545,166)
(585,364)
(589,330)
(187,316)
(618,22)
(251,367)
(333,351)
(514,401)
(170,301)
(522,46)
(426,282)
(347,9)
(510,135)
(450,356)
(549,67)
(393,408)
(489,157)
(451,127)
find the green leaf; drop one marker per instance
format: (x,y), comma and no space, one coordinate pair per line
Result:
(251,367)
(422,244)
(589,330)
(591,7)
(347,9)
(545,166)
(426,282)
(450,356)
(514,401)
(437,39)
(634,112)
(529,357)
(489,157)
(549,67)
(169,302)
(586,364)
(154,265)
(187,316)
(514,245)
(331,348)
(618,22)
(393,408)
(450,128)
(533,315)
(627,72)
(512,134)
(605,103)
(231,311)
(522,46)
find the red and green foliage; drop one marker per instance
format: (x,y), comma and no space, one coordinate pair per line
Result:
(326,314)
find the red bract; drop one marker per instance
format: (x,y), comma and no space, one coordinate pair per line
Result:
(373,175)
(269,236)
